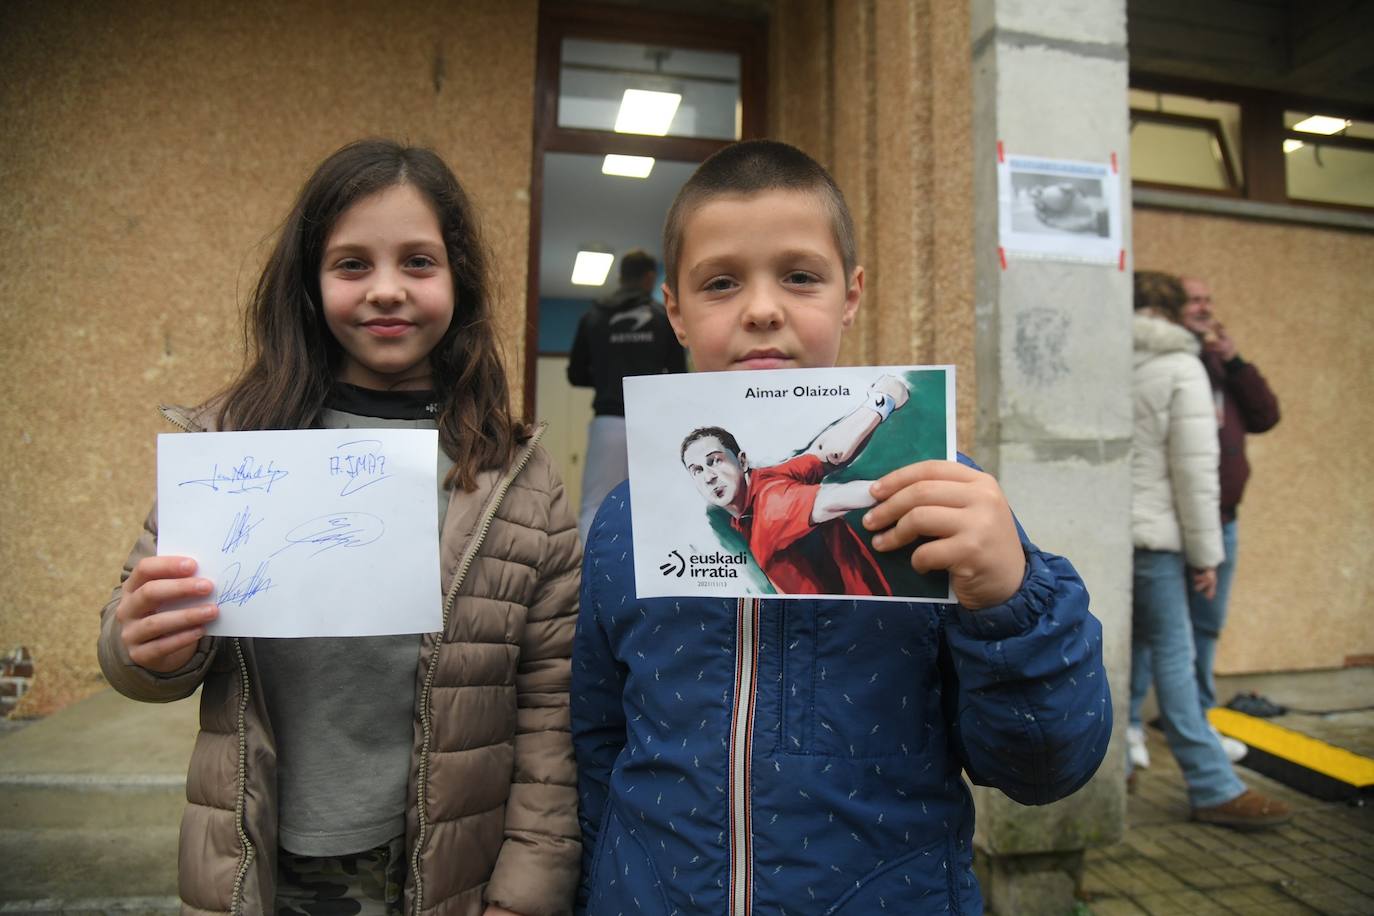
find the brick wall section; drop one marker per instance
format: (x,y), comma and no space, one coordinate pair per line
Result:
(151,136)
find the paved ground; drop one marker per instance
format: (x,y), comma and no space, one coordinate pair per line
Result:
(1321,863)
(90,799)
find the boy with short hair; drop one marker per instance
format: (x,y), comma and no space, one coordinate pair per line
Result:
(804,756)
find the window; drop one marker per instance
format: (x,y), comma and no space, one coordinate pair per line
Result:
(1211,139)
(697,90)
(1181,140)
(1328,159)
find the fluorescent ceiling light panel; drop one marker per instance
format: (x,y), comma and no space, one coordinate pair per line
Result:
(591,267)
(1292,146)
(645,112)
(1321,124)
(627,166)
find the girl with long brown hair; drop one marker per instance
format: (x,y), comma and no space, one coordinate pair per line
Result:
(366,774)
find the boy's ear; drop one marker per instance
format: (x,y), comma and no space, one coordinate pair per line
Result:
(674,314)
(743,460)
(852,294)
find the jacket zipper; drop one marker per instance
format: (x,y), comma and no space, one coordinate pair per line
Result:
(178,419)
(426,693)
(741,757)
(181,421)
(240,791)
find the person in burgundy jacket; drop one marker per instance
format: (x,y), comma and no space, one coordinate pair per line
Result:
(1245,404)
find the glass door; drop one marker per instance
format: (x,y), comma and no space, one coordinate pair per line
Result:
(629,102)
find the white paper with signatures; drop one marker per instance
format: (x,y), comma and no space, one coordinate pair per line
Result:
(319,532)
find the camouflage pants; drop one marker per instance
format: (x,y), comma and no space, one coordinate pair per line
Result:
(361,884)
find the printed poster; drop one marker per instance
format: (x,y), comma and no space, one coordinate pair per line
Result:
(747,484)
(1061,209)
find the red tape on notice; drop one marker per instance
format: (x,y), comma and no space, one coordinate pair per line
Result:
(1114,168)
(1001,153)
(1002,256)
(1121,261)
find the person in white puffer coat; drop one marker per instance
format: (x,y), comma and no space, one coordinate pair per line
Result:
(1176,531)
(1174,480)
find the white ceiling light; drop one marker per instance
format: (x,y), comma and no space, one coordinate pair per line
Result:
(1292,146)
(1321,124)
(645,112)
(627,166)
(591,268)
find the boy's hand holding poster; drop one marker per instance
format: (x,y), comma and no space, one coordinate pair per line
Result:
(754,483)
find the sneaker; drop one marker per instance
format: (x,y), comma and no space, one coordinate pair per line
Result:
(1247,811)
(1234,749)
(1136,750)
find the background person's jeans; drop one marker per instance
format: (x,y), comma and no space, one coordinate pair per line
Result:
(1161,627)
(1208,616)
(607,464)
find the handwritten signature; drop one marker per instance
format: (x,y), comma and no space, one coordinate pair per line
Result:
(338,529)
(247,476)
(235,592)
(240,529)
(363,466)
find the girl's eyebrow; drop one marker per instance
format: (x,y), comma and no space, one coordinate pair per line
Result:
(406,245)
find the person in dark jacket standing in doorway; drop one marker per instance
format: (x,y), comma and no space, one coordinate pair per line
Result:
(624,334)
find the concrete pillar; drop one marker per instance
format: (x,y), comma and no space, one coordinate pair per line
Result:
(878,91)
(1053,356)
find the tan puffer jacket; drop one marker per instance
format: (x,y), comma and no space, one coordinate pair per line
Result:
(1175,486)
(492,802)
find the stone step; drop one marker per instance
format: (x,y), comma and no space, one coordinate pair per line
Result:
(89,869)
(95,906)
(51,804)
(90,807)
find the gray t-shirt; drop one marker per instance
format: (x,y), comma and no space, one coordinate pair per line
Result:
(343,709)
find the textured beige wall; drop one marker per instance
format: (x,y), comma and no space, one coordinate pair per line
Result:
(1297,300)
(880,93)
(148,152)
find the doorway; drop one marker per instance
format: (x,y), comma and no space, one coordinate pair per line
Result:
(628,102)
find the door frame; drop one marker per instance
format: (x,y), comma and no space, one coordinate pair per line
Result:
(746,37)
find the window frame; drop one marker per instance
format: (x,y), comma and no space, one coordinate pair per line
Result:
(1262,133)
(1213,125)
(746,37)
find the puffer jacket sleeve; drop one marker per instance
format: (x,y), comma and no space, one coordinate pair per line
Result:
(536,870)
(1194,463)
(1032,711)
(124,675)
(598,679)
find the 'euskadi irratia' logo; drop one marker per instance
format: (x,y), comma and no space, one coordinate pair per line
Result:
(675,565)
(715,565)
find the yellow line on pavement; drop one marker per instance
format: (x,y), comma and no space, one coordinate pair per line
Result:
(1295,747)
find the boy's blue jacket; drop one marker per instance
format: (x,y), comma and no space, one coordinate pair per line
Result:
(804,756)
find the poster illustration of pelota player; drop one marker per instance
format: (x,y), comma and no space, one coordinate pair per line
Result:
(754,483)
